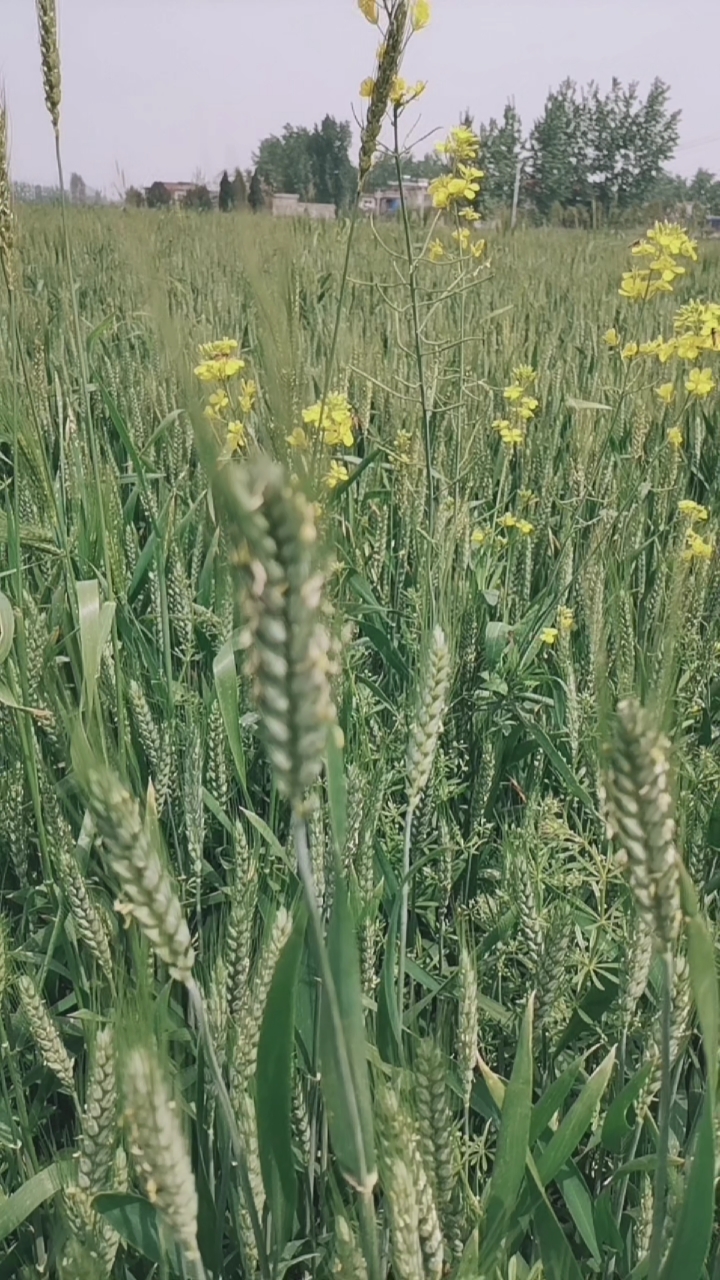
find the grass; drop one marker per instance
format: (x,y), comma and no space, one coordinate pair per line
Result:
(512,1093)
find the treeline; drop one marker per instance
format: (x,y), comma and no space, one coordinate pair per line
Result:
(589,155)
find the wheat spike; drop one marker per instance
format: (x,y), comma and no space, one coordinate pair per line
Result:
(348,1263)
(50,55)
(387,69)
(44,1032)
(98,1139)
(158,1146)
(149,897)
(7,219)
(467,1031)
(272,528)
(427,724)
(640,818)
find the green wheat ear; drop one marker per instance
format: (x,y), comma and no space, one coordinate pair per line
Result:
(158,1145)
(641,820)
(273,534)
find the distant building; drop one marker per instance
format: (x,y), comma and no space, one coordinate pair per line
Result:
(287,205)
(712,223)
(387,202)
(178,190)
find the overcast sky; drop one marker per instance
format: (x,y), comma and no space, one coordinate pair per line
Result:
(163,88)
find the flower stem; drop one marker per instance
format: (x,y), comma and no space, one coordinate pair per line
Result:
(663,1145)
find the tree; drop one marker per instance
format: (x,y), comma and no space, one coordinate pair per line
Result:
(157,196)
(256,194)
(629,142)
(704,189)
(134,199)
(226,194)
(78,190)
(558,145)
(312,164)
(334,175)
(501,149)
(198,199)
(239,190)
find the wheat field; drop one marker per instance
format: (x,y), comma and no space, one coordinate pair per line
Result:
(359,671)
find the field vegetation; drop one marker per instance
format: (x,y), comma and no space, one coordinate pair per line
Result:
(359,767)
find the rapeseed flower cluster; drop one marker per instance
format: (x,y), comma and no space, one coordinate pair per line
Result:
(334,421)
(696,548)
(458,190)
(231,403)
(522,405)
(696,324)
(693,511)
(662,246)
(333,426)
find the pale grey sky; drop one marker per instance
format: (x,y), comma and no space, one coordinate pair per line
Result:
(161,88)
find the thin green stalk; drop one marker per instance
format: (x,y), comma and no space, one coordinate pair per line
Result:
(330,362)
(94,456)
(404,909)
(197,1005)
(663,1145)
(367,1219)
(412,286)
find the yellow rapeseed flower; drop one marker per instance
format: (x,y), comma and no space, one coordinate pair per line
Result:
(700,383)
(462,144)
(666,351)
(611,337)
(420,15)
(470,215)
(367,87)
(221,369)
(566,620)
(235,436)
(693,510)
(549,635)
(337,474)
(688,346)
(527,407)
(478,248)
(478,536)
(514,392)
(512,436)
(675,437)
(508,521)
(666,392)
(369,9)
(462,237)
(248,395)
(696,548)
(297,439)
(436,251)
(337,423)
(223,347)
(218,402)
(525,528)
(525,375)
(402,94)
(630,351)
